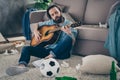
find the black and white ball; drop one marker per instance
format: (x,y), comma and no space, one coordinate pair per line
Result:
(49,67)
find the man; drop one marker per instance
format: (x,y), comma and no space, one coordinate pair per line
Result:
(60,49)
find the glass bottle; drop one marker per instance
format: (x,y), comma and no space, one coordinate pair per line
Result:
(113,72)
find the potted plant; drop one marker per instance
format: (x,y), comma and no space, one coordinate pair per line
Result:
(42,4)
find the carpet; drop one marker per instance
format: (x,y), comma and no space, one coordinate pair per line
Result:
(34,73)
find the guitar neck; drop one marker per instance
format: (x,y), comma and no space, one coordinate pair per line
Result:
(71,25)
(57,29)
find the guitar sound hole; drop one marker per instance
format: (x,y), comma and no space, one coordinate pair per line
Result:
(47,33)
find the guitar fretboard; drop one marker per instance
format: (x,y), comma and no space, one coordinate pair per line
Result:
(71,25)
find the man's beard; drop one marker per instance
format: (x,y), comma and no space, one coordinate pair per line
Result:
(59,19)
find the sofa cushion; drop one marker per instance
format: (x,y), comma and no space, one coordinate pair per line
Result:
(90,40)
(87,47)
(97,11)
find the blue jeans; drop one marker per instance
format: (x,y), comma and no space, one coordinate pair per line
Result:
(61,51)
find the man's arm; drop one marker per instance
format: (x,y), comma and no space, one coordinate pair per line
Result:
(35,32)
(33,26)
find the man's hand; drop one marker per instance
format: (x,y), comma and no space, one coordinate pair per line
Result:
(37,35)
(66,29)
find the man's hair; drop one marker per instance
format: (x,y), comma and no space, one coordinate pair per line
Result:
(50,7)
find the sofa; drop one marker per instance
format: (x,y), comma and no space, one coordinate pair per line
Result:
(91,36)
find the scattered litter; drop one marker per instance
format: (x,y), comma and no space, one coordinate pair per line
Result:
(65,64)
(102,25)
(19,44)
(37,63)
(77,67)
(10,52)
(14,51)
(6,52)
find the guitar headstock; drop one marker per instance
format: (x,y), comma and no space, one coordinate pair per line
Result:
(76,24)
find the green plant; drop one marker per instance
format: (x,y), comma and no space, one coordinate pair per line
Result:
(42,4)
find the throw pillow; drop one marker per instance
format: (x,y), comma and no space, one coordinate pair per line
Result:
(97,64)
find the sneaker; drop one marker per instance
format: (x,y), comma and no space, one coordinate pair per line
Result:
(15,70)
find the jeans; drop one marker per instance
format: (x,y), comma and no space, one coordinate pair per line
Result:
(61,51)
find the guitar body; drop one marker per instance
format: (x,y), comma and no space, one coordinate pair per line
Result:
(49,34)
(46,38)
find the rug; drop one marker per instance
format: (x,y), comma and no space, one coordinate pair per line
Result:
(34,73)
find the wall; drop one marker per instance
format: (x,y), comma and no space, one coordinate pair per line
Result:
(11,12)
(30,1)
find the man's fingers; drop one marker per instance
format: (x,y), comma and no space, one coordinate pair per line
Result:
(38,36)
(67,26)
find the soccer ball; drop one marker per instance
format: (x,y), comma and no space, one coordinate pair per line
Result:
(49,67)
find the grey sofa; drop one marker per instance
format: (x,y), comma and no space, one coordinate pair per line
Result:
(91,37)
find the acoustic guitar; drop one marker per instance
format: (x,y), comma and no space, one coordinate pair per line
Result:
(49,34)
